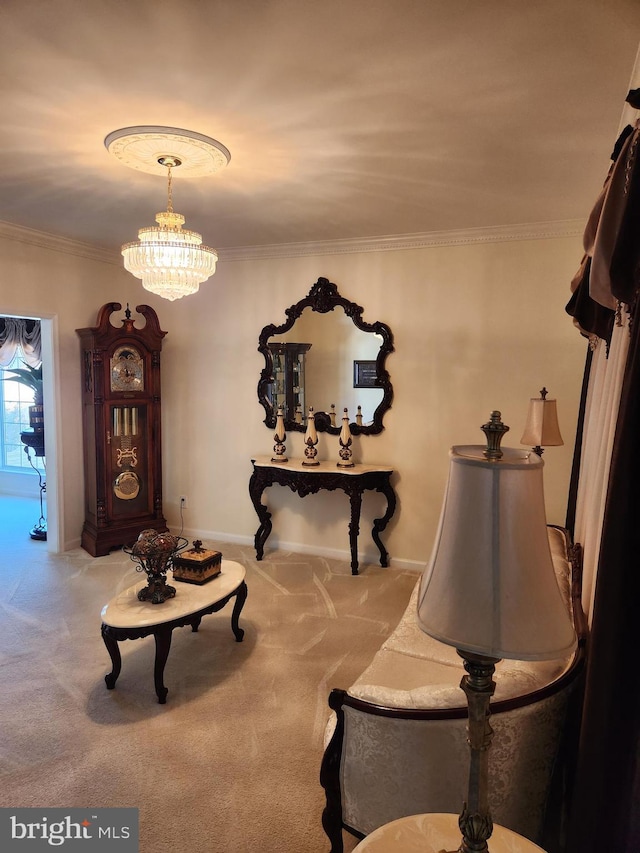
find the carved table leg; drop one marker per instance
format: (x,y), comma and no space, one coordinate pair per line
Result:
(241,597)
(256,487)
(379,524)
(354,528)
(163,644)
(195,624)
(114,654)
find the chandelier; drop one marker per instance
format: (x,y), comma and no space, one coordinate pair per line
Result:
(170,261)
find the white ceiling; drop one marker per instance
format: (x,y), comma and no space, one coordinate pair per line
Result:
(345,118)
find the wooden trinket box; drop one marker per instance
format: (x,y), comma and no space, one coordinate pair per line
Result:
(197,565)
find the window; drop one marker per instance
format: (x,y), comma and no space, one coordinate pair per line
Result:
(15,400)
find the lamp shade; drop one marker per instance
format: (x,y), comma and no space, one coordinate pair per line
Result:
(490,587)
(541,428)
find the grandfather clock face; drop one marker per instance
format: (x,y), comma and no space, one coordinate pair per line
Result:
(128,436)
(127,369)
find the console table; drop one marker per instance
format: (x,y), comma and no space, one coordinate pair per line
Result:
(127,618)
(309,480)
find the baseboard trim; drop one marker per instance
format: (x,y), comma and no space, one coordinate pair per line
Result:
(366,555)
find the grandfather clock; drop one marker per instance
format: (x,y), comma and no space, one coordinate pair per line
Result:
(121,429)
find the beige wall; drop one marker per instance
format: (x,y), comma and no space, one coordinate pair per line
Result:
(476,327)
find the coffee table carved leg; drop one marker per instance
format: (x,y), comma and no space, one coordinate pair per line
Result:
(163,644)
(241,597)
(114,654)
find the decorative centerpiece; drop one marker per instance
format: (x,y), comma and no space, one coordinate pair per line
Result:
(197,565)
(154,553)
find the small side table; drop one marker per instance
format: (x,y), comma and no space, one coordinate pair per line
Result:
(126,618)
(436,833)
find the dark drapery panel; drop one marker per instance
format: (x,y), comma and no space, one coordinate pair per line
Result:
(570,522)
(605,813)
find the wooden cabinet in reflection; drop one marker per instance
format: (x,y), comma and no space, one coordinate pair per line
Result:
(286,392)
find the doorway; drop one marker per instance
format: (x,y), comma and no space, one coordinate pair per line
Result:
(50,374)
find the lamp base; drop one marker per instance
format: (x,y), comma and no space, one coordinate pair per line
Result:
(475,820)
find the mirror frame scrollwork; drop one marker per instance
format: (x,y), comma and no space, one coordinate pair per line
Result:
(322,298)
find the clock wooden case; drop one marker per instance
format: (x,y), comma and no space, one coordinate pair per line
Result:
(121,429)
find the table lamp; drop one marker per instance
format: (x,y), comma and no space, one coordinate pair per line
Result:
(541,428)
(490,590)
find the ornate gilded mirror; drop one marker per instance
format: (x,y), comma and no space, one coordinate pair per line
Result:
(326,356)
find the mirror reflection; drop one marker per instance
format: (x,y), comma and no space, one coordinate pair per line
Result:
(319,353)
(326,357)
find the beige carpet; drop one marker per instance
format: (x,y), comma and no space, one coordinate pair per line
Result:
(231,762)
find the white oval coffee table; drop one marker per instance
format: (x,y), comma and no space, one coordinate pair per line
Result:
(127,618)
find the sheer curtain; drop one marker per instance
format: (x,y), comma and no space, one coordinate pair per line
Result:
(601,414)
(16,334)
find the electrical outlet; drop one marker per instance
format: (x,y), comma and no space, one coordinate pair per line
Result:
(183,501)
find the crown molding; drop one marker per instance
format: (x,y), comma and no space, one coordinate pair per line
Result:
(426,240)
(54,243)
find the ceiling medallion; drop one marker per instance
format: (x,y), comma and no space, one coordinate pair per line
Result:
(171,262)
